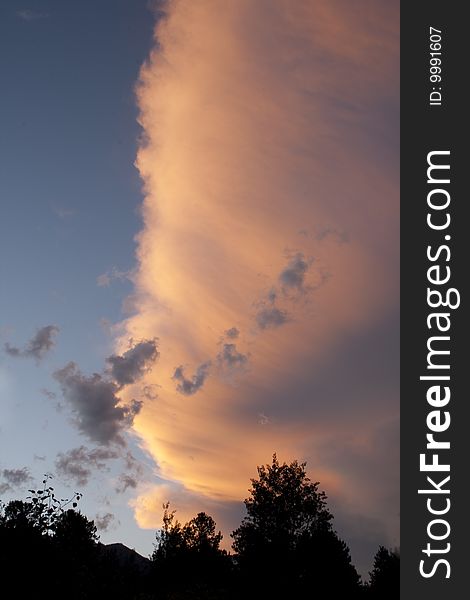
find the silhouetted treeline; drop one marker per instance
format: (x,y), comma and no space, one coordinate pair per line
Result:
(285,547)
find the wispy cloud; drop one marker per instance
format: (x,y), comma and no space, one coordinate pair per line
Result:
(105,521)
(293,275)
(79,463)
(14,478)
(27,14)
(114,274)
(38,346)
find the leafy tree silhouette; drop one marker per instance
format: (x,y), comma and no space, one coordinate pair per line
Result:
(33,539)
(188,562)
(385,575)
(287,532)
(285,547)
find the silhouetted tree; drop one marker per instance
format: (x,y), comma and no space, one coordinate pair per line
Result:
(385,575)
(188,561)
(29,550)
(285,547)
(288,533)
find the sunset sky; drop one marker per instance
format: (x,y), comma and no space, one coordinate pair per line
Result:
(199,256)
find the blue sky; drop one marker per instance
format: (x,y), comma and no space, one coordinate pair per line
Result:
(70,199)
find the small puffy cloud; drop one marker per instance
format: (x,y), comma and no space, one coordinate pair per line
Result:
(133,475)
(232,333)
(270,317)
(134,363)
(290,288)
(150,391)
(38,346)
(12,350)
(263,419)
(79,463)
(48,394)
(188,387)
(103,522)
(96,406)
(229,358)
(14,478)
(293,276)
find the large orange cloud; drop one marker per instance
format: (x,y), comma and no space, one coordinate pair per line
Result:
(271,206)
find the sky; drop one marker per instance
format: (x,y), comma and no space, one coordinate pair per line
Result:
(199,257)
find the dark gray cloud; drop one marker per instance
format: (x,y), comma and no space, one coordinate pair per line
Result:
(126,482)
(230,358)
(78,464)
(14,478)
(38,346)
(103,522)
(263,419)
(270,317)
(232,333)
(96,406)
(188,387)
(133,364)
(293,276)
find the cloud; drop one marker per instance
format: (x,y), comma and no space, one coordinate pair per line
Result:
(38,346)
(14,478)
(230,358)
(98,411)
(291,279)
(270,317)
(105,521)
(12,350)
(78,464)
(263,419)
(188,387)
(150,391)
(114,274)
(232,333)
(30,15)
(48,394)
(245,131)
(134,363)
(293,275)
(126,482)
(323,233)
(133,475)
